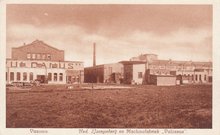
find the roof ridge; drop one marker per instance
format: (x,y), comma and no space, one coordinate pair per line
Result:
(38,41)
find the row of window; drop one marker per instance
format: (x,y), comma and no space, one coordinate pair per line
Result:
(55,77)
(195,77)
(18,76)
(31,76)
(38,56)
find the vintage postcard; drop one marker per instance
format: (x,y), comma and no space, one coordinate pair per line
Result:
(70,67)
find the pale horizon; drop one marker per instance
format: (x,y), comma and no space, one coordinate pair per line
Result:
(177,32)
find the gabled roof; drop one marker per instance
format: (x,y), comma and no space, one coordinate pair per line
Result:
(38,42)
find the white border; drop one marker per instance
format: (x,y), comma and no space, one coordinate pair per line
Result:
(57,131)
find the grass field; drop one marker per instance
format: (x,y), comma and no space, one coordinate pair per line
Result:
(139,107)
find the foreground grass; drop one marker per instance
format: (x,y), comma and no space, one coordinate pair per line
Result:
(139,107)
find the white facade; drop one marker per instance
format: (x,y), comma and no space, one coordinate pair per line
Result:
(138,73)
(54,72)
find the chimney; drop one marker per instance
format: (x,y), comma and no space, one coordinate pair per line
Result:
(94,54)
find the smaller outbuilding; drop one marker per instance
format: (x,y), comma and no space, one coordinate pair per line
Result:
(162,80)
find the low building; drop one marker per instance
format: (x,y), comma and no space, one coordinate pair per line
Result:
(186,71)
(162,80)
(106,73)
(39,61)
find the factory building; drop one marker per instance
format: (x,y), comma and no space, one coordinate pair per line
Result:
(44,63)
(148,69)
(105,73)
(186,72)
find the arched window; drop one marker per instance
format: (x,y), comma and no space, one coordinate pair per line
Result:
(61,77)
(200,77)
(31,77)
(18,76)
(55,76)
(196,77)
(24,76)
(11,76)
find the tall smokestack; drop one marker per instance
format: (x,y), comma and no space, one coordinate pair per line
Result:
(94,54)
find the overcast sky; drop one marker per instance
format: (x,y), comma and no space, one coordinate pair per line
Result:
(178,32)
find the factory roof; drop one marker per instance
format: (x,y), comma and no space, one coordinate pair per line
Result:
(174,62)
(38,42)
(132,62)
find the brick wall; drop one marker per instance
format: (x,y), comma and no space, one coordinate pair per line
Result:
(37,47)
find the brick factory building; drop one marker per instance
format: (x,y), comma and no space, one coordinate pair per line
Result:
(39,61)
(106,73)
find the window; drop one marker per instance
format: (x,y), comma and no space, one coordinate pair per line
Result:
(38,56)
(49,76)
(11,76)
(55,76)
(24,76)
(31,77)
(33,56)
(205,77)
(193,77)
(196,77)
(28,56)
(43,56)
(6,75)
(139,74)
(22,64)
(18,76)
(200,78)
(48,56)
(61,77)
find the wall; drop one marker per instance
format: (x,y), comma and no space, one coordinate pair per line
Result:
(94,74)
(128,74)
(109,69)
(190,76)
(136,69)
(37,47)
(36,71)
(166,80)
(41,68)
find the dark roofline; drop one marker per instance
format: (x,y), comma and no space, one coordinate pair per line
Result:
(97,66)
(37,41)
(132,62)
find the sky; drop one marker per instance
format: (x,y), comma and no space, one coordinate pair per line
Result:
(177,32)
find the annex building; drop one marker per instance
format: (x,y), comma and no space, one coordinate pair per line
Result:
(42,62)
(172,72)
